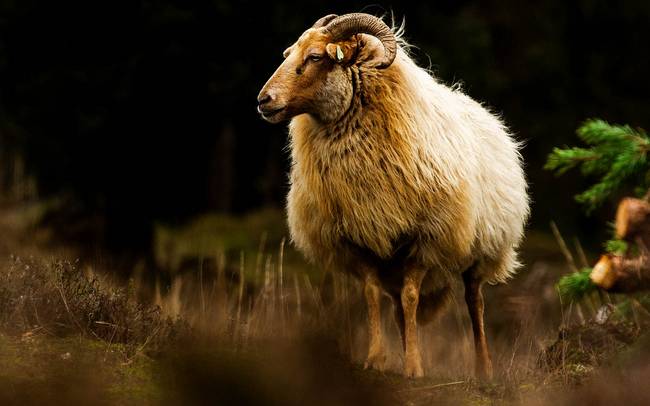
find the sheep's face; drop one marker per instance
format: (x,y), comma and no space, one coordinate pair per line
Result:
(314,79)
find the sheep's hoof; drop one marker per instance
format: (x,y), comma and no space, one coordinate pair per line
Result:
(413,368)
(376,360)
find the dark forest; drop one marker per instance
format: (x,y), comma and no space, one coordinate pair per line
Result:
(145,111)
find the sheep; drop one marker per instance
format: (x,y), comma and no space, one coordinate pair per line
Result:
(395,178)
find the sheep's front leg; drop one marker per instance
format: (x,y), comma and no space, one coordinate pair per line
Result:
(410,297)
(475,305)
(376,353)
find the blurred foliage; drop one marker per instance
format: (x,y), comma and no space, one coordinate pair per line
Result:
(627,307)
(618,154)
(215,235)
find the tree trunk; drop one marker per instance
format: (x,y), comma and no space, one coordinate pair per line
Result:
(618,274)
(627,273)
(633,221)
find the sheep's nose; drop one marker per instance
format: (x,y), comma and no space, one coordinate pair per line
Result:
(264,98)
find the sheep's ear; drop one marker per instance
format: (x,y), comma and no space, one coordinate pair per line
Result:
(340,53)
(370,49)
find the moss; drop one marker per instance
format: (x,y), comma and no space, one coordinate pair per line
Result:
(73,370)
(134,381)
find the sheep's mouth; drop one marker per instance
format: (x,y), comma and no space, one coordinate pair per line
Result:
(269,113)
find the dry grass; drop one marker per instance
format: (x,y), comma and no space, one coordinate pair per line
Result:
(58,299)
(249,329)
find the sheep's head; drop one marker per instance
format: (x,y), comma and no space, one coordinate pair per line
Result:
(315,76)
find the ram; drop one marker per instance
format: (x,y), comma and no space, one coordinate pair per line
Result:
(395,178)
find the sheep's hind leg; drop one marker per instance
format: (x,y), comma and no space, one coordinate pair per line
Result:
(429,307)
(410,297)
(376,351)
(399,318)
(475,305)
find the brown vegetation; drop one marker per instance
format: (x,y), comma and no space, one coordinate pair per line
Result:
(281,338)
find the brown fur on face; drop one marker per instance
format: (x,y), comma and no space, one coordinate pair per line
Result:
(313,79)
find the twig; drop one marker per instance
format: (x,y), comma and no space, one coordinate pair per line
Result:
(315,297)
(440,385)
(105,323)
(569,260)
(584,264)
(635,315)
(258,259)
(563,247)
(70,315)
(139,350)
(110,342)
(581,253)
(298,299)
(201,287)
(240,293)
(281,281)
(639,307)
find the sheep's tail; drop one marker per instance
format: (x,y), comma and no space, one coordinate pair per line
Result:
(501,269)
(432,304)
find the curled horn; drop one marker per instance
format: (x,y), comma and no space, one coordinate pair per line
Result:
(360,23)
(323,21)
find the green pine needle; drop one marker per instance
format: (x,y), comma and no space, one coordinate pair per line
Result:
(561,160)
(616,246)
(617,154)
(575,286)
(595,132)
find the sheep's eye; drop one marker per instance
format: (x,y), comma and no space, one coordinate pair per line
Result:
(315,58)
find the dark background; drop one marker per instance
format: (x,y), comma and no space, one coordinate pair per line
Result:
(143,111)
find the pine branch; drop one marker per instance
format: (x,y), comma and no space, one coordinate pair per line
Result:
(616,153)
(597,132)
(561,160)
